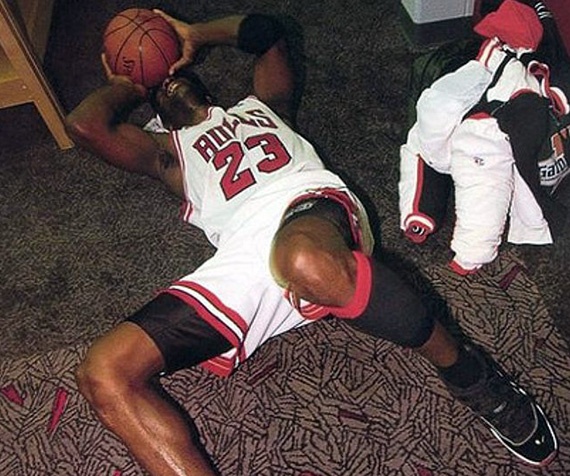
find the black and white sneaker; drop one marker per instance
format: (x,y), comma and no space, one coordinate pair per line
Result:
(511,414)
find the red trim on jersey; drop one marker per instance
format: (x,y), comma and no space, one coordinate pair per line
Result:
(309,311)
(217,307)
(225,320)
(359,301)
(210,113)
(341,198)
(220,366)
(175,141)
(186,208)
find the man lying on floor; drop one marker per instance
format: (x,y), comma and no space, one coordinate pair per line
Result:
(293,246)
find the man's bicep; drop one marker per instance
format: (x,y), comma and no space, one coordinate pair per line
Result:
(168,165)
(132,149)
(274,79)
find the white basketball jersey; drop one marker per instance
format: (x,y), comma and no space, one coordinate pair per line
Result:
(231,156)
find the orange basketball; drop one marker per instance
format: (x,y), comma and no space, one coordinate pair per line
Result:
(142,45)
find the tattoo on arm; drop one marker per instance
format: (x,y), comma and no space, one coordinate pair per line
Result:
(166,160)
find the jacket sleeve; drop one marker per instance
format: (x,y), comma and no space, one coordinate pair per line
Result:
(441,108)
(483,175)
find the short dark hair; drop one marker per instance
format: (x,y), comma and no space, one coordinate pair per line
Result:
(200,89)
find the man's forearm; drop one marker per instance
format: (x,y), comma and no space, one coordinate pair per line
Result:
(223,31)
(103,109)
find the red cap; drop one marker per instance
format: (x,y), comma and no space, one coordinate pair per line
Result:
(514,23)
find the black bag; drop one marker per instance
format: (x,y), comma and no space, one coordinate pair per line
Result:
(438,62)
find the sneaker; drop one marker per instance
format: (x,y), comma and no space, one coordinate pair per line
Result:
(510,413)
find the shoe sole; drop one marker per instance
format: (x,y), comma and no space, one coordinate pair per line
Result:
(537,464)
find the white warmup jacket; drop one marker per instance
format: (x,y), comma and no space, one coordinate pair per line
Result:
(476,154)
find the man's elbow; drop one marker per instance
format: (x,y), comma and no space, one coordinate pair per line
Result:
(79,130)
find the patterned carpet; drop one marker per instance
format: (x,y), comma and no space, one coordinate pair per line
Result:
(320,401)
(83,246)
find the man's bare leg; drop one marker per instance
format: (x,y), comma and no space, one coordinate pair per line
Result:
(116,378)
(309,259)
(441,349)
(312,259)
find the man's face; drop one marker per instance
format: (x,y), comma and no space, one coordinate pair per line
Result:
(177,99)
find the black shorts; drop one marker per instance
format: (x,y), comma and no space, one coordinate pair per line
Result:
(183,337)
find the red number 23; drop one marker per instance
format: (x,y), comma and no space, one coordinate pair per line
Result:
(230,157)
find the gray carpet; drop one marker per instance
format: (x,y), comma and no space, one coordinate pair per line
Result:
(84,245)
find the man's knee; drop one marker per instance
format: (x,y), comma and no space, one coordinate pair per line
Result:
(113,366)
(92,381)
(99,384)
(310,258)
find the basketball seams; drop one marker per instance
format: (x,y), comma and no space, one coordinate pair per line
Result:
(142,45)
(148,34)
(128,22)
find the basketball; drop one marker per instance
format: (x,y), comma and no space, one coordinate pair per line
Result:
(142,45)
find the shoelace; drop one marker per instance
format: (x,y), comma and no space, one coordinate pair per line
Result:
(508,410)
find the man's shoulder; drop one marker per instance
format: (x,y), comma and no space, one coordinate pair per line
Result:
(247,101)
(253,103)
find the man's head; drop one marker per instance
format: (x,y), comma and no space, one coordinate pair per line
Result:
(180,100)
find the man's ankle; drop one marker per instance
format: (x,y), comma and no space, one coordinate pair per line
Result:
(468,369)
